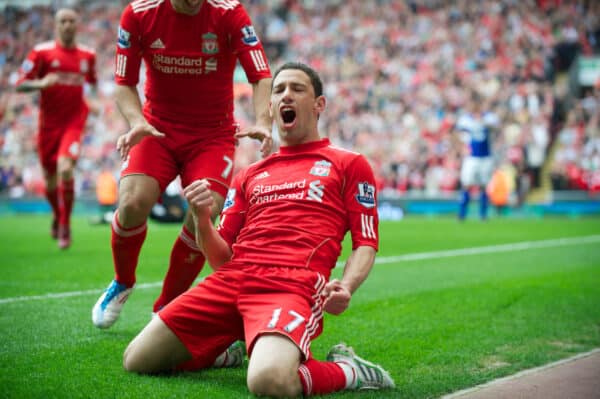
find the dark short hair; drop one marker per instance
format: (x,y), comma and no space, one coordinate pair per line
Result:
(315,80)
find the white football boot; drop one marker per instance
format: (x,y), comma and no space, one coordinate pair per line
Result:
(108,307)
(365,375)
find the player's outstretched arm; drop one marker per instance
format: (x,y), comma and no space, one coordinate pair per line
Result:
(128,101)
(37,84)
(358,266)
(214,247)
(261,93)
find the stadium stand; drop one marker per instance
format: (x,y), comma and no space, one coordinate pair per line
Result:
(404,70)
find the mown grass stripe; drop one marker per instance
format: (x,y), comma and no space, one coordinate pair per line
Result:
(518,246)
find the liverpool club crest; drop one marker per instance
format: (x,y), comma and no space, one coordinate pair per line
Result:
(210,44)
(321,168)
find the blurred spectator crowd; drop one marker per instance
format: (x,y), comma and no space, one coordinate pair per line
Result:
(397,75)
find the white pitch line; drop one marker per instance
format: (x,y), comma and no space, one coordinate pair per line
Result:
(69,294)
(518,246)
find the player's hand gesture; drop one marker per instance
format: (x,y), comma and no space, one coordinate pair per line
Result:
(200,198)
(134,136)
(337,297)
(261,134)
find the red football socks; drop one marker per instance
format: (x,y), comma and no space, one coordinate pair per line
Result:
(185,264)
(66,195)
(52,197)
(126,246)
(321,377)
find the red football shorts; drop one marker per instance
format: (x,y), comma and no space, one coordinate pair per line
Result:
(201,153)
(244,301)
(60,141)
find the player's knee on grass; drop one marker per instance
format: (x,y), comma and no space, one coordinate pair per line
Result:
(273,367)
(274,381)
(129,357)
(156,349)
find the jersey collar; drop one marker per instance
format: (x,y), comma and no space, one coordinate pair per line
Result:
(310,146)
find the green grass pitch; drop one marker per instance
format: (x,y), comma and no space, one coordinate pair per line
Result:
(440,321)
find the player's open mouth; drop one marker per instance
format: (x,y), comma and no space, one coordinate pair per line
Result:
(288,115)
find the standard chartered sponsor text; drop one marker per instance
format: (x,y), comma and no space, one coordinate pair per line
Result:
(266,193)
(267,188)
(262,199)
(177,65)
(70,78)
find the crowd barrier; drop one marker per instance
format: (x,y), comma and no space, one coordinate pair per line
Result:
(572,203)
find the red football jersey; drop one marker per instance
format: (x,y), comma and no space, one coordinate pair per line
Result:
(190,60)
(300,203)
(61,103)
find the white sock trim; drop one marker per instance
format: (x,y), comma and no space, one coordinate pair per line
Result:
(350,373)
(307,379)
(126,233)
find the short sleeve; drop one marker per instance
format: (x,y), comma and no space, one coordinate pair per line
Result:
(233,215)
(360,199)
(31,68)
(247,45)
(128,57)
